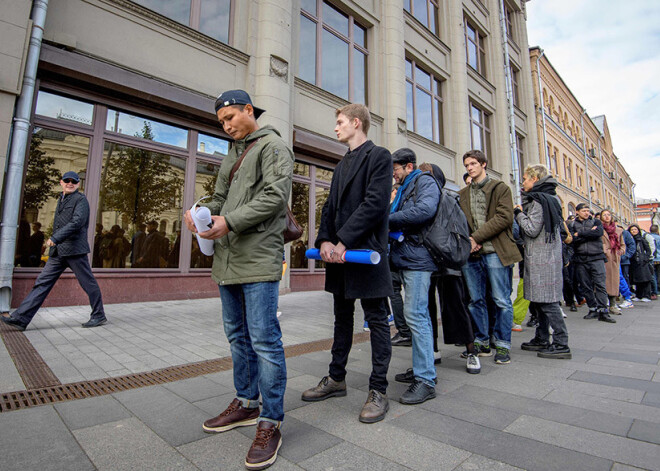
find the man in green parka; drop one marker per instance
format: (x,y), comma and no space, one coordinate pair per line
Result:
(248,211)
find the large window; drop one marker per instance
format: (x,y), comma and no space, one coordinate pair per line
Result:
(311,187)
(475,48)
(333,51)
(211,17)
(140,172)
(510,22)
(515,80)
(426,11)
(424,102)
(480,129)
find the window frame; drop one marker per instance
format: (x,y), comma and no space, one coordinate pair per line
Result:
(437,122)
(349,40)
(480,46)
(194,19)
(430,13)
(515,88)
(484,127)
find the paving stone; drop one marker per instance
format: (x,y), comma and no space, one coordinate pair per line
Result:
(611,380)
(600,390)
(609,406)
(397,445)
(172,418)
(472,412)
(623,467)
(92,411)
(651,399)
(645,431)
(129,445)
(619,449)
(478,462)
(196,389)
(499,446)
(649,358)
(349,457)
(602,422)
(37,439)
(227,451)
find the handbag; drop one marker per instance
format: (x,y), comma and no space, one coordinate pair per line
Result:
(292,230)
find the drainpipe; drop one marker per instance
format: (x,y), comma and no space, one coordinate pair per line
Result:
(545,139)
(513,144)
(586,158)
(602,173)
(20,137)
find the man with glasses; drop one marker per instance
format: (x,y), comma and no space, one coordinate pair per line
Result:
(68,247)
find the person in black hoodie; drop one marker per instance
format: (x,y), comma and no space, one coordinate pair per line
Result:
(589,259)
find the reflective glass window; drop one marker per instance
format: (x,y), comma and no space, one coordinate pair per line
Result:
(145,128)
(63,108)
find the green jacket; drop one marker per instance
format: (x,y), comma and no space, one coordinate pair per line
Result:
(499,220)
(254,208)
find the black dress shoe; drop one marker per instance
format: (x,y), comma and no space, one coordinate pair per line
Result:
(591,315)
(573,308)
(417,393)
(95,322)
(400,341)
(15,323)
(606,318)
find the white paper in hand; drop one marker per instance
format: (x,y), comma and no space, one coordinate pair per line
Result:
(203,222)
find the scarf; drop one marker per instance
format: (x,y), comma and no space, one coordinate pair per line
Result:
(543,192)
(399,194)
(615,243)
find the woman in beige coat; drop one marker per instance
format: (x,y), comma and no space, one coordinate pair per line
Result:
(614,247)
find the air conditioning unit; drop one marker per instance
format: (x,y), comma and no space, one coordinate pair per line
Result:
(592,152)
(591,189)
(611,175)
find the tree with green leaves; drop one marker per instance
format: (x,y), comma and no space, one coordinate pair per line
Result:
(41,176)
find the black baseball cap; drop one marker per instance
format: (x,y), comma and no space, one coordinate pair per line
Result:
(404,156)
(236,97)
(72,175)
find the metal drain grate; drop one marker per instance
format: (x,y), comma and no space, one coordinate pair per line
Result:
(66,392)
(34,371)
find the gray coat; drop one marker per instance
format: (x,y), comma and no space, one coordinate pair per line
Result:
(543,279)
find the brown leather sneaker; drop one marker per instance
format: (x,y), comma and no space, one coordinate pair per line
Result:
(326,388)
(234,416)
(267,442)
(375,408)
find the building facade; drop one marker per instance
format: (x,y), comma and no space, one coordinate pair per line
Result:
(577,148)
(647,213)
(125,97)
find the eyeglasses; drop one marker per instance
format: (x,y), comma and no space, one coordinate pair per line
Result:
(397,167)
(70,180)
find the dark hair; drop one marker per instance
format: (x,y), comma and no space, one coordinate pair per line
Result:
(465,177)
(38,224)
(654,228)
(635,225)
(476,154)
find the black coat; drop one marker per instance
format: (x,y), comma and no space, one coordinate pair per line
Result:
(640,262)
(70,226)
(356,213)
(588,244)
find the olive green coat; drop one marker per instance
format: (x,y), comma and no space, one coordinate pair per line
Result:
(254,207)
(499,220)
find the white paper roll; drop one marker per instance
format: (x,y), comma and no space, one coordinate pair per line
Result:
(202,218)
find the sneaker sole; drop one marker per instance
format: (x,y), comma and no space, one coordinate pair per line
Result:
(226,428)
(558,356)
(92,326)
(430,396)
(502,362)
(264,464)
(485,354)
(473,371)
(323,398)
(534,349)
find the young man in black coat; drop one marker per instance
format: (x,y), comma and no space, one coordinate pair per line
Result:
(68,248)
(355,217)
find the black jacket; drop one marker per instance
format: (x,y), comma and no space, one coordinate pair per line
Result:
(70,226)
(640,264)
(356,213)
(588,244)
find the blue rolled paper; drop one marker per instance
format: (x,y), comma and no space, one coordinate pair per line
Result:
(365,257)
(398,236)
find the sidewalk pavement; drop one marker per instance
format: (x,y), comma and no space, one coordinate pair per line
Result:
(598,411)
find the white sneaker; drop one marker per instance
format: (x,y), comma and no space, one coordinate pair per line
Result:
(279,313)
(645,300)
(636,299)
(473,364)
(516,328)
(563,314)
(627,304)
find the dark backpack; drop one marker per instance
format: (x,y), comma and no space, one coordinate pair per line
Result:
(447,238)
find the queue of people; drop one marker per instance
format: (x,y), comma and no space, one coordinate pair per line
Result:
(574,260)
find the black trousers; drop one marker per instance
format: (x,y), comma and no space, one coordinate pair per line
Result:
(397,306)
(568,273)
(591,276)
(55,266)
(375,313)
(456,319)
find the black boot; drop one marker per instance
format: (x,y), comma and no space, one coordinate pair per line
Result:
(593,313)
(605,317)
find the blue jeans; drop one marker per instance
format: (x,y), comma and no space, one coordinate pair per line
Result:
(476,272)
(415,310)
(249,314)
